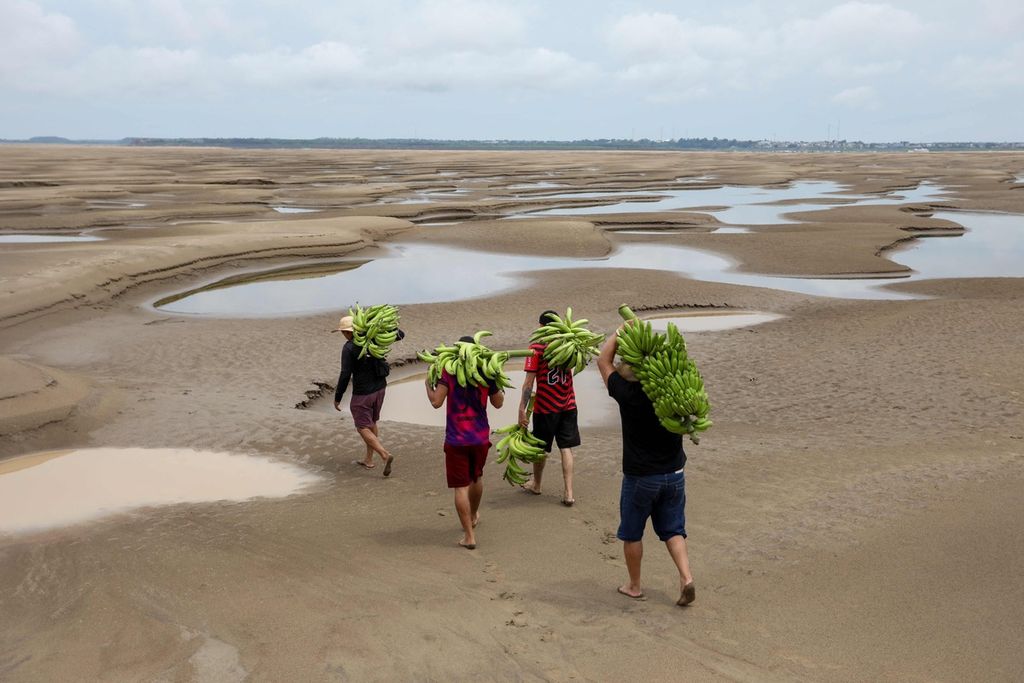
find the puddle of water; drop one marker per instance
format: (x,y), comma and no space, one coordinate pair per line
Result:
(745,205)
(422,273)
(115,204)
(60,488)
(993,246)
(295,209)
(713,322)
(648,232)
(43,239)
(697,179)
(731,230)
(406,401)
(539,185)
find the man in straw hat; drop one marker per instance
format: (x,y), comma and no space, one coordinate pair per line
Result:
(652,477)
(369,382)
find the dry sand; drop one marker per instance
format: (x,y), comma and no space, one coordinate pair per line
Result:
(855,514)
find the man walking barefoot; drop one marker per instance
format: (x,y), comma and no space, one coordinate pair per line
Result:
(652,477)
(369,382)
(467,439)
(555,418)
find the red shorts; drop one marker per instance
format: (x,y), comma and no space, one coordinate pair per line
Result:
(365,408)
(464,464)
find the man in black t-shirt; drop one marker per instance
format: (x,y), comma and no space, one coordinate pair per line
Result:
(652,477)
(369,382)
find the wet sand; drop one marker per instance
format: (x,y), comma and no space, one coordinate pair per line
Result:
(854,514)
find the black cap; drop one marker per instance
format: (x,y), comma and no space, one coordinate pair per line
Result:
(545,318)
(466,338)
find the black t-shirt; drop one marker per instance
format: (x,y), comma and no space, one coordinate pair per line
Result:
(647,447)
(367,373)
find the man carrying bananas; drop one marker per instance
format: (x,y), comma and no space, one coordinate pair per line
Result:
(467,438)
(554,413)
(369,382)
(652,477)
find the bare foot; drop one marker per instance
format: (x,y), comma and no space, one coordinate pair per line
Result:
(530,487)
(361,463)
(631,592)
(467,545)
(476,520)
(687,595)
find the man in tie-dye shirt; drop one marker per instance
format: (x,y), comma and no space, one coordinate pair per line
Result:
(467,439)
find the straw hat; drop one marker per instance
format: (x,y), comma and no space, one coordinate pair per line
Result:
(344,325)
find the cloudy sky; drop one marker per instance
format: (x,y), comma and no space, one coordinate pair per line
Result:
(924,70)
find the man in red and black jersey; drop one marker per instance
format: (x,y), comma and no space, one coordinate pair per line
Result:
(554,413)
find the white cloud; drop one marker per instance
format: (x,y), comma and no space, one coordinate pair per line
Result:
(452,26)
(860,97)
(33,39)
(532,68)
(988,74)
(323,64)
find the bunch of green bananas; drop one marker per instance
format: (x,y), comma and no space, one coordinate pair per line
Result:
(569,343)
(668,376)
(518,445)
(374,329)
(470,363)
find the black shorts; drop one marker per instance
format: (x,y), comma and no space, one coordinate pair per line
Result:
(557,427)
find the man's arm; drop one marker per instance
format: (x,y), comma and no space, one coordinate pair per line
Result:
(437,394)
(347,361)
(498,398)
(524,399)
(606,359)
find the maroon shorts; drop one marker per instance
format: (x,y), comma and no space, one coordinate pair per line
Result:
(464,464)
(365,408)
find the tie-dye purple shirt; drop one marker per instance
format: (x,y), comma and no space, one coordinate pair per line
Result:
(466,423)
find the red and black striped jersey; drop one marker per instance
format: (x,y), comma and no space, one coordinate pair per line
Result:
(555,393)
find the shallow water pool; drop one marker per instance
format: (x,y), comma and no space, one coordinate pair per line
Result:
(60,488)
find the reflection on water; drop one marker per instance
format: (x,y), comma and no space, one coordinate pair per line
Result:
(295,209)
(43,239)
(712,322)
(424,273)
(744,205)
(993,246)
(406,401)
(59,488)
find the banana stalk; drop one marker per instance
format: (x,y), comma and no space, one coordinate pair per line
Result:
(669,378)
(470,363)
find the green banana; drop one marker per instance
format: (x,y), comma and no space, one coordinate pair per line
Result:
(668,375)
(374,329)
(470,363)
(568,343)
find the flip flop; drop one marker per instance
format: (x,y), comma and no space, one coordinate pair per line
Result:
(688,595)
(363,464)
(468,546)
(387,466)
(632,597)
(568,503)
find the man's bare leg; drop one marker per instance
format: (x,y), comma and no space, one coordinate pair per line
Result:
(634,554)
(476,493)
(373,444)
(567,496)
(464,507)
(538,471)
(677,549)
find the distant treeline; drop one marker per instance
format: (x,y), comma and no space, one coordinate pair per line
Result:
(721,144)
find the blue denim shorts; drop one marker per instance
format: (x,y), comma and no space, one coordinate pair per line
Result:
(661,497)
